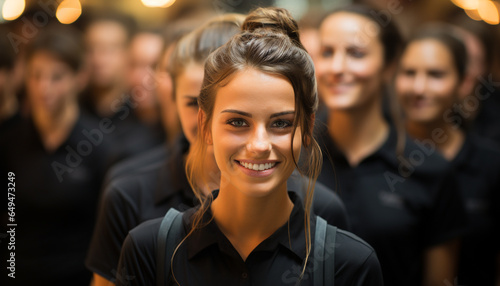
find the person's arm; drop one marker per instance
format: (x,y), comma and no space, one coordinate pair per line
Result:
(116,216)
(101,281)
(137,263)
(440,264)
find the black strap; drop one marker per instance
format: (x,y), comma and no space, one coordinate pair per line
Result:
(324,253)
(167,239)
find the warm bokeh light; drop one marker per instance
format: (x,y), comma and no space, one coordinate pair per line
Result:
(69,11)
(12,9)
(489,12)
(466,4)
(473,14)
(158,3)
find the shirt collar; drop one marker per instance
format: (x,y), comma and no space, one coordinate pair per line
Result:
(210,234)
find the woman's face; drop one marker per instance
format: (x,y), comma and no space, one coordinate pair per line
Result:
(251,132)
(427,81)
(351,61)
(51,83)
(188,86)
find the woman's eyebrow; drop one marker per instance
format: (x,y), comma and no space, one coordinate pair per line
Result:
(282,113)
(250,115)
(237,112)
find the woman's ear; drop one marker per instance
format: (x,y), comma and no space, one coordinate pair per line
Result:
(205,132)
(466,86)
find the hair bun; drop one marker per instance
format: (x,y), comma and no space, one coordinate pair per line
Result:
(272,18)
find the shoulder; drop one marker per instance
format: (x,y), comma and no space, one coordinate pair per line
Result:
(134,186)
(352,250)
(145,234)
(356,262)
(423,158)
(485,150)
(327,204)
(141,162)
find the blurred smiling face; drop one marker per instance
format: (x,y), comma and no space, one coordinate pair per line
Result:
(427,82)
(251,131)
(351,61)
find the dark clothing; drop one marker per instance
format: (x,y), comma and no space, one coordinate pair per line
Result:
(487,122)
(477,170)
(207,257)
(128,135)
(56,195)
(151,188)
(149,159)
(399,205)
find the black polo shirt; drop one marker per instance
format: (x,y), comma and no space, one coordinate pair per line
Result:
(128,135)
(151,188)
(55,202)
(487,122)
(477,170)
(135,195)
(399,205)
(150,158)
(207,257)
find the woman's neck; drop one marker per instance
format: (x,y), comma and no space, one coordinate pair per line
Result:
(358,132)
(447,139)
(247,221)
(54,129)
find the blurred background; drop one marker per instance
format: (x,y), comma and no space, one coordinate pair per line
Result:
(152,12)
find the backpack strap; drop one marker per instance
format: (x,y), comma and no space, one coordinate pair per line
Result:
(167,237)
(324,253)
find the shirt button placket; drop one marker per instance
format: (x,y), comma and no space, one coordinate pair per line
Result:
(244,279)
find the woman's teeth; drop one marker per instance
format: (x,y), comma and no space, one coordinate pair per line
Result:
(258,167)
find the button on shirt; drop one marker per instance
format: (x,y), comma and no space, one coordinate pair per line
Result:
(207,257)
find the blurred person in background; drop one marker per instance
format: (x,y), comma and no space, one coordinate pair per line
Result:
(145,53)
(108,37)
(431,79)
(480,103)
(9,106)
(57,156)
(399,199)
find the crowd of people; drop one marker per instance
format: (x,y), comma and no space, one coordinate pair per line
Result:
(252,150)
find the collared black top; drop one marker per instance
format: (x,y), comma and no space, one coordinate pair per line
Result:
(477,169)
(55,203)
(128,135)
(401,205)
(151,188)
(207,257)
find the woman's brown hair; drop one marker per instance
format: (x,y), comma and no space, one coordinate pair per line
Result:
(268,42)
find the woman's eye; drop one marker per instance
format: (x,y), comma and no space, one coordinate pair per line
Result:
(237,122)
(436,73)
(357,53)
(326,53)
(282,124)
(192,103)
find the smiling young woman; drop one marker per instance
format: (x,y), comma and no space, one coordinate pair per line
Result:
(429,83)
(400,200)
(257,106)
